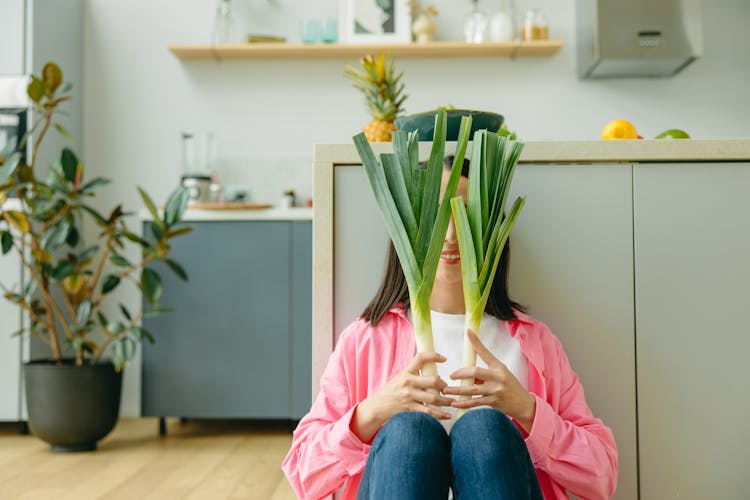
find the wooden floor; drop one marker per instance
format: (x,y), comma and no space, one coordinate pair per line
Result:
(197,459)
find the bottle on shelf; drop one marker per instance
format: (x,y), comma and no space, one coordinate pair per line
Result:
(534,26)
(502,25)
(475,25)
(224,29)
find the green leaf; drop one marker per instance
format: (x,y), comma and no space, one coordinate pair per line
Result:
(437,239)
(52,78)
(474,194)
(151,283)
(119,260)
(84,312)
(179,231)
(109,283)
(64,132)
(58,233)
(115,327)
(6,240)
(94,183)
(401,148)
(150,206)
(136,239)
(469,264)
(35,89)
(389,212)
(178,269)
(157,231)
(397,187)
(431,190)
(142,334)
(69,164)
(125,312)
(63,269)
(74,237)
(102,319)
(175,207)
(96,215)
(87,253)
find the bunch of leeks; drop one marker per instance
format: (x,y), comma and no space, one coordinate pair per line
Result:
(482,227)
(407,196)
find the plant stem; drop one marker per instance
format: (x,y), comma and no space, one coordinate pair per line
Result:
(423,333)
(38,142)
(472,322)
(100,266)
(54,219)
(125,274)
(102,348)
(53,342)
(25,306)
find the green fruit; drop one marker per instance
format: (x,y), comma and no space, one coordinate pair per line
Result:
(673,133)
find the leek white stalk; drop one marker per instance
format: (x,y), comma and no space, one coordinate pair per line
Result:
(483,228)
(408,196)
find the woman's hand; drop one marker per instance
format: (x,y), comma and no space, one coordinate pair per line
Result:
(493,386)
(407,391)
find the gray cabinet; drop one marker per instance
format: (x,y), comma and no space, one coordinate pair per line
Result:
(692,255)
(572,264)
(12,22)
(236,343)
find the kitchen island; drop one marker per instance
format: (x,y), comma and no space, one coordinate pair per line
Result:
(635,253)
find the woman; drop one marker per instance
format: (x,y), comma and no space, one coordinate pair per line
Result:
(387,432)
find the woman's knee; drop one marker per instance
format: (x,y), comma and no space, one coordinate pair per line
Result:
(480,427)
(411,430)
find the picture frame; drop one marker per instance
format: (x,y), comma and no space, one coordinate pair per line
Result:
(374,21)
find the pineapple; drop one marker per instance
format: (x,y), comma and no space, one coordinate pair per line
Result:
(383,93)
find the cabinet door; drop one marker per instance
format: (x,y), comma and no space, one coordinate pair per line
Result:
(572,264)
(224,350)
(10,347)
(692,254)
(12,22)
(301,340)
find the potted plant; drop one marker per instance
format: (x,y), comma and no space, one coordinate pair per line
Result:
(73,396)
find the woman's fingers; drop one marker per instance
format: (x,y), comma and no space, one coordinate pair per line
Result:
(422,359)
(428,382)
(430,398)
(469,390)
(482,351)
(475,372)
(474,402)
(440,415)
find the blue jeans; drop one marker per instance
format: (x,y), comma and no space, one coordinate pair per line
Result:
(485,457)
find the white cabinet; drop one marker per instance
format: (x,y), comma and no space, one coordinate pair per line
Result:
(692,261)
(13,349)
(12,23)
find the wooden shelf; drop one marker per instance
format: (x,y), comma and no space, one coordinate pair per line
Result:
(542,48)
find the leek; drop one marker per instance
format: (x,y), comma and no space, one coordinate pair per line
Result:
(483,228)
(407,196)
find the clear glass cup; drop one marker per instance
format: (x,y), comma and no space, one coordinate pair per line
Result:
(329,31)
(309,31)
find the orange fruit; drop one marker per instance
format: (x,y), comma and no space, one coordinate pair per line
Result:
(619,129)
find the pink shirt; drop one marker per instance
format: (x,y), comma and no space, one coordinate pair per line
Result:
(570,448)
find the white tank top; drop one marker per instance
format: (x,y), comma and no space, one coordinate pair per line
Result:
(447,332)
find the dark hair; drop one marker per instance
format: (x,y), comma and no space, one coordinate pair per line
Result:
(393,288)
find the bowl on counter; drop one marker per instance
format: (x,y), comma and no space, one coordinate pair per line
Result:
(424,123)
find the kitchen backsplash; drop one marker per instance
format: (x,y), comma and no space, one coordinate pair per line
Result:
(267,178)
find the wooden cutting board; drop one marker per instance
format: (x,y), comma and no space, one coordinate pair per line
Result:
(228,206)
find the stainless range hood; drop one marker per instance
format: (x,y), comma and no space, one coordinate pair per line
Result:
(619,38)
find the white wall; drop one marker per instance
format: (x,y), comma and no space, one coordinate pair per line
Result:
(268,114)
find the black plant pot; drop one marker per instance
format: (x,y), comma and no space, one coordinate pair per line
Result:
(72,407)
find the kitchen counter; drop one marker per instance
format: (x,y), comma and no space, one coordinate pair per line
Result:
(193,215)
(585,151)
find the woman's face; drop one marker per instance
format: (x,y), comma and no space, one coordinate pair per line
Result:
(449,266)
